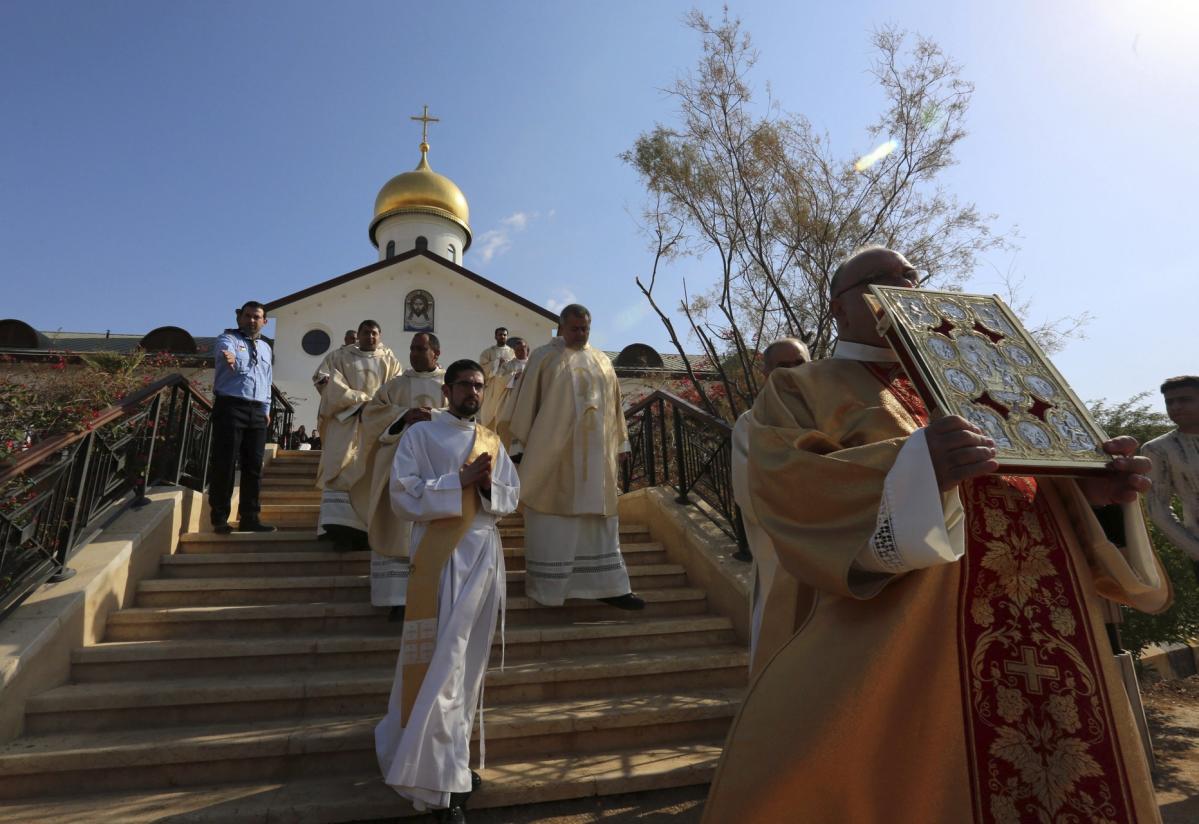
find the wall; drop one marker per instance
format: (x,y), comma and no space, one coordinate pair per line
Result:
(465,317)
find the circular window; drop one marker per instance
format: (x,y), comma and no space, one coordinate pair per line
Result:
(316,342)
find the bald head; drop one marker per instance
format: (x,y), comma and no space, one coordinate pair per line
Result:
(874,265)
(783,354)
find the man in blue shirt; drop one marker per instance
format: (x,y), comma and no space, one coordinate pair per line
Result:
(240,415)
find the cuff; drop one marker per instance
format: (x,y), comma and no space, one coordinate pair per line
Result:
(918,526)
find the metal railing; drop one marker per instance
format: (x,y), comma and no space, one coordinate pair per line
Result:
(675,443)
(281,413)
(56,495)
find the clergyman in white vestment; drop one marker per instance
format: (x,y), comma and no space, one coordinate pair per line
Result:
(783,353)
(503,386)
(355,374)
(424,749)
(494,357)
(401,402)
(1175,471)
(568,429)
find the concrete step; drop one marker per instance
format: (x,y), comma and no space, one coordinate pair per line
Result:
(362,796)
(211,591)
(289,455)
(293,468)
(297,539)
(289,495)
(40,765)
(291,516)
(282,482)
(339,618)
(179,658)
(285,540)
(315,694)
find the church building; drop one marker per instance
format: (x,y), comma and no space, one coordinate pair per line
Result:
(421,228)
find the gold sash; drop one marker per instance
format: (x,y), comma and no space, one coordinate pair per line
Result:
(424,582)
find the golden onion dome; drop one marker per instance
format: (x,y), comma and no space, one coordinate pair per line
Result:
(422,192)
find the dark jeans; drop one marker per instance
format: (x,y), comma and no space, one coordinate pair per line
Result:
(238,436)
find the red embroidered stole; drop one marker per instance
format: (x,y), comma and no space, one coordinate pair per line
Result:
(1040,736)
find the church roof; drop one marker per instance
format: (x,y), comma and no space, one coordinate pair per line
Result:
(411,253)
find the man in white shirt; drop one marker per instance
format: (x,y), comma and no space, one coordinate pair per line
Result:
(1175,473)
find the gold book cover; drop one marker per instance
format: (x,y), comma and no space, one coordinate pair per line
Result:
(969,355)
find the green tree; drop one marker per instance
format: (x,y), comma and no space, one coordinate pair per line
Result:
(767,195)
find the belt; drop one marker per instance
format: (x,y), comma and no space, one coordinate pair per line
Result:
(242,401)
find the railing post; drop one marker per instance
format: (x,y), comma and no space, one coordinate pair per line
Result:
(139,485)
(79,482)
(680,456)
(663,443)
(647,445)
(184,437)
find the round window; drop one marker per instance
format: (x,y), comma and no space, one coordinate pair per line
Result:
(315,342)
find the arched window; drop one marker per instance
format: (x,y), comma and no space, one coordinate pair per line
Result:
(422,243)
(391,249)
(453,253)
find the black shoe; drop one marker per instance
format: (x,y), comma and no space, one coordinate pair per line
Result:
(254,526)
(627,601)
(475,781)
(451,815)
(396,616)
(222,529)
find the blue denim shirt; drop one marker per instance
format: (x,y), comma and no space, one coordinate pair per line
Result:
(251,381)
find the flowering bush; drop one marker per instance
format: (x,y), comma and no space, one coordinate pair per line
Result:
(43,400)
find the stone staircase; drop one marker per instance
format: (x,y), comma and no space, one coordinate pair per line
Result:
(245,683)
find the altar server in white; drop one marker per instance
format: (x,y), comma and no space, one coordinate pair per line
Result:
(454,480)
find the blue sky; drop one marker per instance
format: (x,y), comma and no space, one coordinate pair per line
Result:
(162,162)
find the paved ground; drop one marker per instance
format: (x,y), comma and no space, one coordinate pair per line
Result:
(1172,708)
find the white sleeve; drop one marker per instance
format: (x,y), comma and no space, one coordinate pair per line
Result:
(918,526)
(417,494)
(505,486)
(1158,500)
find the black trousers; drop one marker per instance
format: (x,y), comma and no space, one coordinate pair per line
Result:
(238,437)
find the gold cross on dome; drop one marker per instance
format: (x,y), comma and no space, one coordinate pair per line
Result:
(425,121)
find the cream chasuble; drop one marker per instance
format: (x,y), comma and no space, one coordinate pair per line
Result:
(354,377)
(424,754)
(387,533)
(955,666)
(499,390)
(493,358)
(569,426)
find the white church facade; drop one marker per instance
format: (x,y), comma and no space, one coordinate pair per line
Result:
(421,228)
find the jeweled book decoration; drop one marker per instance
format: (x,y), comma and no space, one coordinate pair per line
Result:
(969,355)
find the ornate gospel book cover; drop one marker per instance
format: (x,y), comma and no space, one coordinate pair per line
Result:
(969,355)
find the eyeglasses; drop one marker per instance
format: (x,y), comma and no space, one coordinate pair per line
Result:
(908,277)
(471,385)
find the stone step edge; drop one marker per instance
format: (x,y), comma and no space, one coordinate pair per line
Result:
(58,752)
(114,652)
(350,609)
(316,684)
(325,556)
(284,582)
(365,797)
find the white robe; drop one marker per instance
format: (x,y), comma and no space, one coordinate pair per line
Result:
(429,758)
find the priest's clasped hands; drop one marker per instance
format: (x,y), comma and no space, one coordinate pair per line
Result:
(478,472)
(959,451)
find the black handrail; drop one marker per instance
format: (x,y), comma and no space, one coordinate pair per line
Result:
(693,454)
(55,496)
(282,412)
